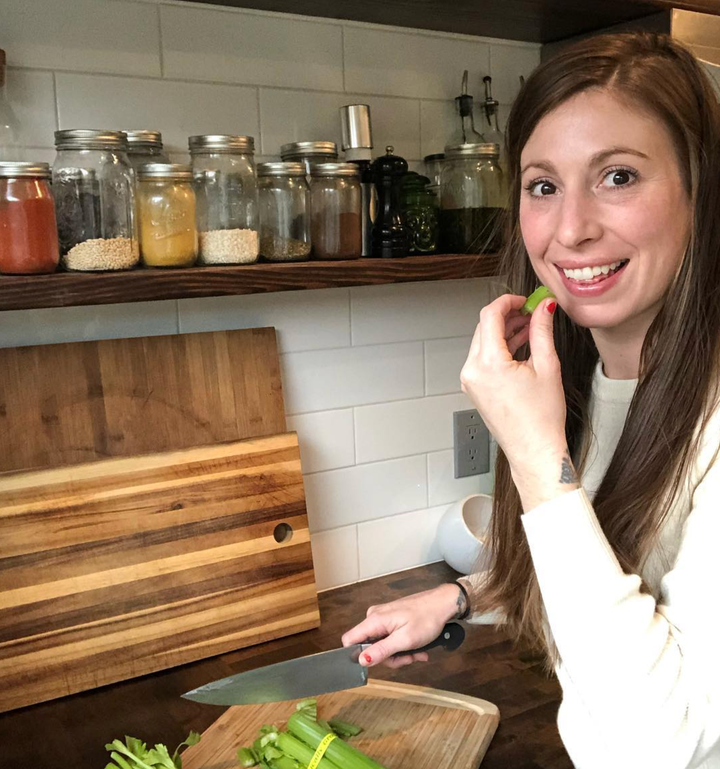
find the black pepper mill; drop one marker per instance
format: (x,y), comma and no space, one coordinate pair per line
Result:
(389,238)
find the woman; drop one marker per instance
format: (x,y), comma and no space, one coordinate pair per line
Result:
(614,155)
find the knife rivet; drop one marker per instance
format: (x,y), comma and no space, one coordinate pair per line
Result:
(446,636)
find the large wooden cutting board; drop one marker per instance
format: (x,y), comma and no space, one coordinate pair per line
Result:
(405,727)
(113,569)
(64,404)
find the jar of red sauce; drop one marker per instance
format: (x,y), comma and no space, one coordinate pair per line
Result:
(28,229)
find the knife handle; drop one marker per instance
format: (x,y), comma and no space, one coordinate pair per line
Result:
(450,638)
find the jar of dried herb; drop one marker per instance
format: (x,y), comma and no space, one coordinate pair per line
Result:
(284,201)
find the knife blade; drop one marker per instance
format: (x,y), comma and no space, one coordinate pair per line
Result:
(308,676)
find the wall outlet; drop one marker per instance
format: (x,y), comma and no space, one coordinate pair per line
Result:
(471,444)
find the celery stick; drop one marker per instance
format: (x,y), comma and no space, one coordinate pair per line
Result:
(301,752)
(535,298)
(343,728)
(246,757)
(339,752)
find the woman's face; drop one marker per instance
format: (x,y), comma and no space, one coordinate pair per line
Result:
(604,212)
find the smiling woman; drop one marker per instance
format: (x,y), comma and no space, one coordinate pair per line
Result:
(614,158)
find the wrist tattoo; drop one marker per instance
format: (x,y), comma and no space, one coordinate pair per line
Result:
(462,603)
(567,472)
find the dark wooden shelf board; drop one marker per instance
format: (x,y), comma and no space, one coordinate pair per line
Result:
(144,285)
(537,21)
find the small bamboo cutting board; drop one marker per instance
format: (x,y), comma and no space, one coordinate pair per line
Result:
(117,568)
(405,727)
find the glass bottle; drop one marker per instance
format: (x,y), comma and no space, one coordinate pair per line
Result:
(336,206)
(28,229)
(94,189)
(227,198)
(491,130)
(166,209)
(145,147)
(284,200)
(419,207)
(472,199)
(465,132)
(9,126)
(309,153)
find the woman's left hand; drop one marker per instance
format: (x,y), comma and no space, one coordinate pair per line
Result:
(522,402)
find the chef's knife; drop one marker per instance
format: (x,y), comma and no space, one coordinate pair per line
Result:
(305,676)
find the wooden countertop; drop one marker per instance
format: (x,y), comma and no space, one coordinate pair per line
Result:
(73,731)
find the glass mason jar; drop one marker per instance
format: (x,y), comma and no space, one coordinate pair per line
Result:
(419,207)
(472,199)
(28,228)
(336,211)
(309,153)
(145,147)
(94,189)
(227,200)
(166,210)
(284,200)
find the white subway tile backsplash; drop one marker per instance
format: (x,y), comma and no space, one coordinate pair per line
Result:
(365,492)
(335,557)
(331,379)
(305,320)
(444,359)
(178,110)
(412,64)
(32,97)
(235,47)
(408,311)
(84,35)
(507,63)
(444,488)
(19,328)
(402,428)
(327,439)
(400,542)
(289,116)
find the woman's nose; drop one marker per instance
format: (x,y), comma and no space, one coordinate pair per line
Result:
(578,221)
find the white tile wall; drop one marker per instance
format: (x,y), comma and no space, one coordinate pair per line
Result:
(371,375)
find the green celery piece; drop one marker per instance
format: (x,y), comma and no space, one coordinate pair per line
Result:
(301,752)
(272,752)
(119,762)
(338,752)
(119,747)
(159,758)
(246,757)
(343,728)
(543,292)
(284,762)
(267,729)
(310,702)
(192,739)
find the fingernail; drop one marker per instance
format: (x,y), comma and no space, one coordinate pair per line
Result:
(551,307)
(367,659)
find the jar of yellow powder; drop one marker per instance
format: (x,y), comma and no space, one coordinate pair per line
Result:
(166,209)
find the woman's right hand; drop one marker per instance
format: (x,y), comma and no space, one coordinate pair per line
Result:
(407,623)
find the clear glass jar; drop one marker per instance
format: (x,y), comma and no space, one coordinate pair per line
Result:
(145,147)
(284,200)
(28,229)
(336,208)
(166,209)
(433,168)
(309,153)
(94,189)
(472,199)
(227,199)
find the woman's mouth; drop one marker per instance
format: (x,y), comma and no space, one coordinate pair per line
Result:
(594,274)
(592,281)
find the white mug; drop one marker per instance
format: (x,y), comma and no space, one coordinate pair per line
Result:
(462,532)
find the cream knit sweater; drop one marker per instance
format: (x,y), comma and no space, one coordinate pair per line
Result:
(640,672)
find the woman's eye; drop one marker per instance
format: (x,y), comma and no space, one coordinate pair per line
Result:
(542,189)
(619,178)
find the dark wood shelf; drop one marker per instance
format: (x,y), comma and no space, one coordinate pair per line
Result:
(537,21)
(66,289)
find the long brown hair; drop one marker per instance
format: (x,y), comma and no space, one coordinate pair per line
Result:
(678,367)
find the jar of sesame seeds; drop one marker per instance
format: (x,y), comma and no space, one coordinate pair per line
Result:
(227,198)
(94,190)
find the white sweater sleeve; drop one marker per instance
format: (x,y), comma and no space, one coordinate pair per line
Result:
(647,674)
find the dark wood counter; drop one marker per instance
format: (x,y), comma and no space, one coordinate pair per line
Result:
(72,731)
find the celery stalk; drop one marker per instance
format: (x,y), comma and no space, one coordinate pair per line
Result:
(301,752)
(343,728)
(246,757)
(543,292)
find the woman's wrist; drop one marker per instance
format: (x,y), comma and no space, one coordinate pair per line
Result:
(550,474)
(454,600)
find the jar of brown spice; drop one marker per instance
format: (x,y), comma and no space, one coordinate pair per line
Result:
(336,207)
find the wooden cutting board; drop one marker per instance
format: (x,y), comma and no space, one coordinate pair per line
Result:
(405,727)
(64,404)
(113,569)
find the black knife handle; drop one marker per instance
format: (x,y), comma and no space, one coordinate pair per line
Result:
(450,638)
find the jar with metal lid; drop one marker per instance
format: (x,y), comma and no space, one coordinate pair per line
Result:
(309,153)
(166,209)
(94,189)
(284,200)
(335,203)
(472,199)
(227,199)
(145,147)
(28,229)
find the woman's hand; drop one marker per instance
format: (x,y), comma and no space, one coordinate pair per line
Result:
(522,402)
(407,623)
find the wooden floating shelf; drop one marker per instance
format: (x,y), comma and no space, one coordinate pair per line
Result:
(65,289)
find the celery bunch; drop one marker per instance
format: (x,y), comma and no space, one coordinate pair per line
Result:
(295,747)
(134,754)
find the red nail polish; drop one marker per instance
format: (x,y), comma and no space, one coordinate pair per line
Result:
(552,307)
(367,659)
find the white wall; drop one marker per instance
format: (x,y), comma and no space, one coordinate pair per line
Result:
(370,374)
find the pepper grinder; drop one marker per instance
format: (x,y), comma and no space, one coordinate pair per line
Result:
(389,238)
